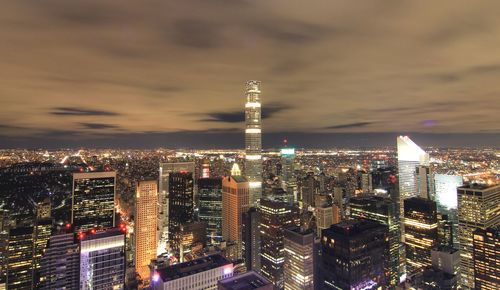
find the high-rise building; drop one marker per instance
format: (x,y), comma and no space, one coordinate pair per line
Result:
(41,235)
(145,225)
(478,208)
(299,259)
(163,205)
(102,259)
(253,140)
(60,262)
(288,171)
(250,280)
(354,255)
(93,202)
(275,216)
(445,187)
(410,156)
(180,207)
(325,217)
(235,202)
(308,190)
(384,211)
(202,273)
(20,258)
(486,258)
(445,231)
(251,239)
(421,232)
(210,207)
(425,182)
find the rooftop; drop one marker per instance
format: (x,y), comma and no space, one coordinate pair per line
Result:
(193,267)
(479,186)
(248,281)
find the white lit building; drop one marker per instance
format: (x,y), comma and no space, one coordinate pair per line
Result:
(299,259)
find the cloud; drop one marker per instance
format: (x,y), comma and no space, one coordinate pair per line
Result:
(197,34)
(72,111)
(99,126)
(350,125)
(238,116)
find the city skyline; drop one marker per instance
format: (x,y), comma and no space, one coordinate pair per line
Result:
(99,74)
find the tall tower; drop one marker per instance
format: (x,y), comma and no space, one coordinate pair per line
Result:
(253,141)
(146,240)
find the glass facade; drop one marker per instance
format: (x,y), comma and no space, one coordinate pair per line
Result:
(253,140)
(210,207)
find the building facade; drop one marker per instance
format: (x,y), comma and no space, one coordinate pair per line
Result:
(210,207)
(251,239)
(145,226)
(478,208)
(299,259)
(253,140)
(93,200)
(486,258)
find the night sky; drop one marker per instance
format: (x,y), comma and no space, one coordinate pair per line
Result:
(172,73)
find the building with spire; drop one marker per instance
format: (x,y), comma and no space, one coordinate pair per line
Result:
(253,140)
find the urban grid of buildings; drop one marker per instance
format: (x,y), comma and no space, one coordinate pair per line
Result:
(253,219)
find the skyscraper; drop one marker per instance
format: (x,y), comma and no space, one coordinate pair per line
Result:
(41,235)
(253,140)
(146,239)
(299,255)
(275,216)
(382,210)
(20,258)
(445,186)
(180,207)
(102,260)
(478,208)
(235,201)
(60,262)
(210,207)
(354,255)
(163,205)
(421,232)
(251,239)
(93,202)
(487,258)
(425,182)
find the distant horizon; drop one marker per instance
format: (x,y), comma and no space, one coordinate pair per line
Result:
(235,140)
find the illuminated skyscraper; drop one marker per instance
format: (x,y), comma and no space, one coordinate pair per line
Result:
(299,255)
(425,182)
(275,216)
(146,239)
(235,202)
(210,207)
(41,235)
(421,232)
(163,206)
(478,208)
(180,207)
(20,258)
(446,199)
(354,255)
(93,202)
(487,258)
(102,260)
(382,210)
(253,141)
(251,239)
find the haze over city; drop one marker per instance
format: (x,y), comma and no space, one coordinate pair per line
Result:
(171,74)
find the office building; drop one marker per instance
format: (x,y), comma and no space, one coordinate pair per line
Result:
(253,141)
(251,239)
(478,208)
(41,235)
(181,207)
(325,217)
(163,205)
(145,223)
(445,231)
(102,259)
(425,182)
(276,215)
(486,258)
(210,207)
(20,258)
(384,211)
(203,273)
(354,255)
(445,187)
(59,266)
(192,238)
(93,200)
(250,280)
(421,232)
(299,259)
(308,189)
(235,202)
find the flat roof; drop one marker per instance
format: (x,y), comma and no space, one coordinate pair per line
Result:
(192,267)
(248,281)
